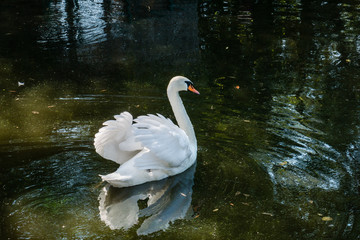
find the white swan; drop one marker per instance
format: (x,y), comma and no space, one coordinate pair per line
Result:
(152,148)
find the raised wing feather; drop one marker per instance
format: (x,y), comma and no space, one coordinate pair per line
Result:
(167,142)
(115,141)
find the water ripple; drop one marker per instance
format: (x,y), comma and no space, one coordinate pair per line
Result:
(297,155)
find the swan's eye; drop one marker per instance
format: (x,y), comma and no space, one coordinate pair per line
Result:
(188,83)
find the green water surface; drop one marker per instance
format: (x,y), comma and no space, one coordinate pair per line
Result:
(277,120)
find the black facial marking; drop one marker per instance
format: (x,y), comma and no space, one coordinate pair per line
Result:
(188,83)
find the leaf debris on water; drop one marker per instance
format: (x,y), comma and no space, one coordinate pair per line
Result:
(326,219)
(215,210)
(268,214)
(283,163)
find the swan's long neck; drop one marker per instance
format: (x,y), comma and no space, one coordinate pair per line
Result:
(181,116)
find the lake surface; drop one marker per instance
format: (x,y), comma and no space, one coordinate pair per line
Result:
(277,120)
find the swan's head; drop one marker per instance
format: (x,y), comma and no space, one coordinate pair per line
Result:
(180,83)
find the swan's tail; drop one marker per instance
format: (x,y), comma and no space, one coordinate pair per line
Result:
(129,175)
(116,180)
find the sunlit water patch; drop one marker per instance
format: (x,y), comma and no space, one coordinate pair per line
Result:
(50,180)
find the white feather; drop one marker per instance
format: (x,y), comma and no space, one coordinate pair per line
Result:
(164,139)
(115,140)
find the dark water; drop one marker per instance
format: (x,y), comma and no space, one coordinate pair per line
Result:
(277,121)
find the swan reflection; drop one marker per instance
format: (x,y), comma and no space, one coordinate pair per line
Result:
(167,201)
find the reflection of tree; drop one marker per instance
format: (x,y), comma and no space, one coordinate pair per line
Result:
(75,38)
(72,32)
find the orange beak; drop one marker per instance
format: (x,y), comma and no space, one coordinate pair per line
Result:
(191,88)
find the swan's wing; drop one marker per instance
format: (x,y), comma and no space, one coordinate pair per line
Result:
(115,141)
(168,143)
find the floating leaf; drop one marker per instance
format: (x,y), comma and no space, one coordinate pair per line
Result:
(327,218)
(215,210)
